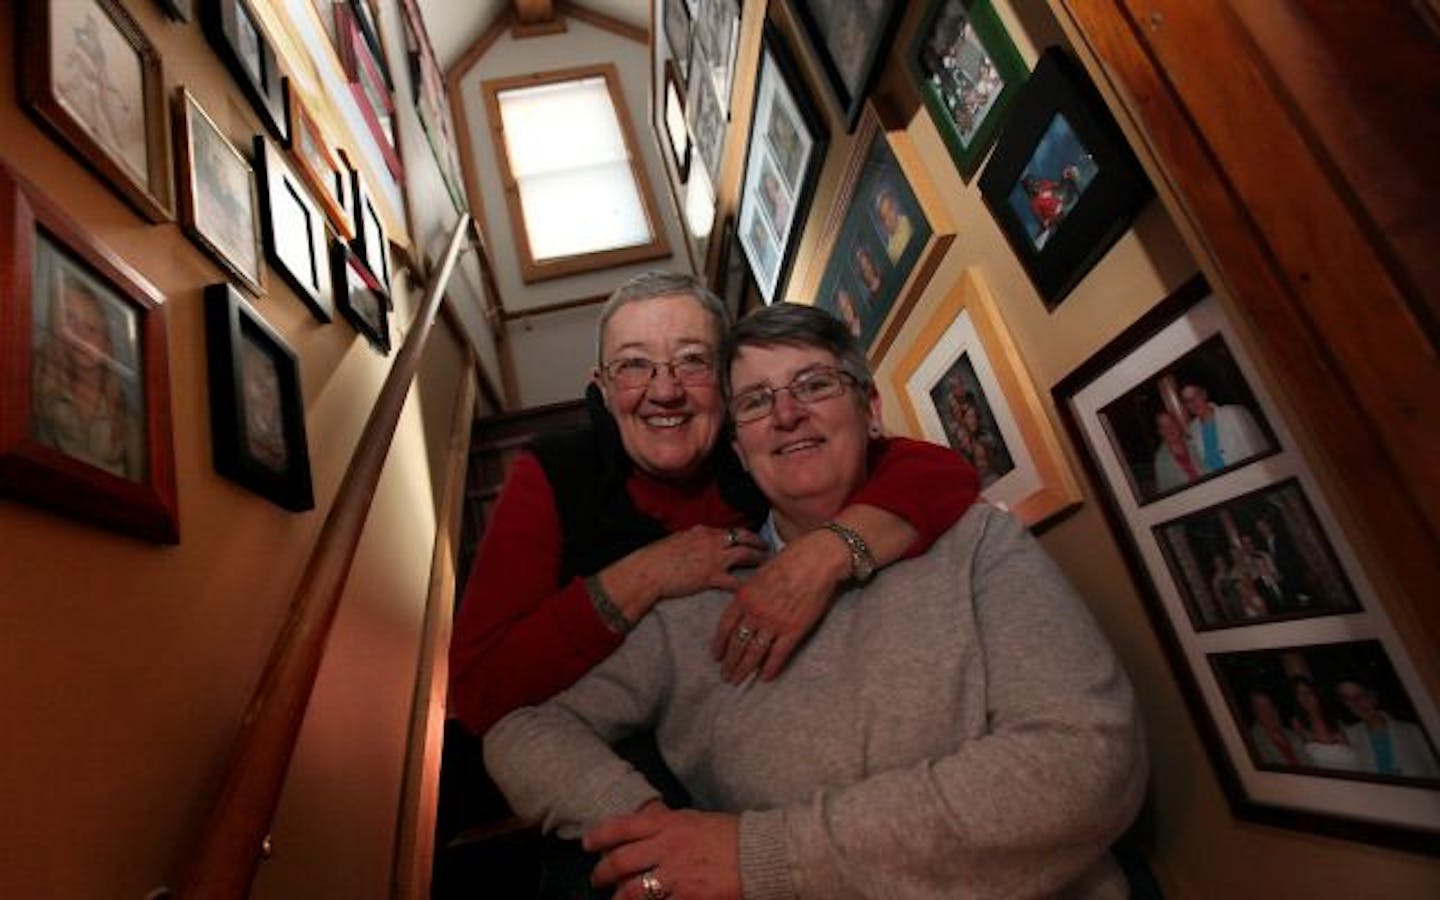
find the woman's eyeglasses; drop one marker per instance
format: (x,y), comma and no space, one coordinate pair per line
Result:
(631,372)
(809,387)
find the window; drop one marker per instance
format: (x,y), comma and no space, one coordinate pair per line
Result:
(576,189)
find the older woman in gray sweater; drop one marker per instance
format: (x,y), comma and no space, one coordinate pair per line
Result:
(956,727)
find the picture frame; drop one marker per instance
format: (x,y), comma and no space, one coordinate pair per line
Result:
(178,10)
(235,32)
(678,29)
(1062,182)
(716,37)
(367,18)
(850,40)
(878,261)
(359,297)
(786,150)
(317,161)
(706,120)
(293,231)
(967,72)
(1283,650)
(370,86)
(85,417)
(963,384)
(91,77)
(431,104)
(219,202)
(370,244)
(677,136)
(257,414)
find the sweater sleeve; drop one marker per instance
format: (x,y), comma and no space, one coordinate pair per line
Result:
(1027,808)
(925,484)
(520,637)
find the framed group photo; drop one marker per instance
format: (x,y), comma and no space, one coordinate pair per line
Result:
(219,204)
(850,37)
(1313,712)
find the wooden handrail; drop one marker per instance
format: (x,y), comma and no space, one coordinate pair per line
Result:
(230,846)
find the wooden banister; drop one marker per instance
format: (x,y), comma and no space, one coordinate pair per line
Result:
(222,866)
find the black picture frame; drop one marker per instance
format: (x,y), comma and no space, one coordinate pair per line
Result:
(257,413)
(359,298)
(371,245)
(234,31)
(293,230)
(1062,182)
(677,135)
(832,28)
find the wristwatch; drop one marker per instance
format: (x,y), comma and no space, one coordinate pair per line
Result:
(862,561)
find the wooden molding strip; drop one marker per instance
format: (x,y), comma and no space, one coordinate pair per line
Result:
(562,306)
(222,866)
(600,20)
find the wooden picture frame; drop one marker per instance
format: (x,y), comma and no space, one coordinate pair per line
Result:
(1062,183)
(92,78)
(1269,630)
(788,139)
(317,161)
(85,420)
(359,296)
(370,244)
(967,72)
(365,17)
(237,36)
(677,136)
(962,383)
(293,231)
(371,87)
(257,413)
(878,261)
(850,39)
(219,203)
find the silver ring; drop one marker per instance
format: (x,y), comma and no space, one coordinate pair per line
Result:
(650,884)
(732,537)
(744,633)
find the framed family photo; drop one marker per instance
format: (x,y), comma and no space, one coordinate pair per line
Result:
(235,33)
(320,165)
(359,296)
(850,38)
(90,76)
(257,416)
(1314,714)
(293,230)
(219,205)
(962,383)
(1062,183)
(85,425)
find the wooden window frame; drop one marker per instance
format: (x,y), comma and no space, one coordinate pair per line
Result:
(531,270)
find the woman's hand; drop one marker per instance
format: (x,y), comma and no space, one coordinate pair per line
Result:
(774,611)
(681,564)
(691,855)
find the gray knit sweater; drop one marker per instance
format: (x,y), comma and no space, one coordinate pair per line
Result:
(957,728)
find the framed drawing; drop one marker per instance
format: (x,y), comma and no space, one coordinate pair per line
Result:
(706,120)
(370,244)
(370,87)
(850,38)
(428,94)
(1062,183)
(677,137)
(91,77)
(967,71)
(782,164)
(257,417)
(677,36)
(235,33)
(359,296)
(716,40)
(881,242)
(962,383)
(85,392)
(293,231)
(320,165)
(1314,715)
(218,204)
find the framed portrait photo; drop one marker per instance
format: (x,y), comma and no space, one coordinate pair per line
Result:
(1062,183)
(1314,714)
(850,38)
(962,383)
(219,204)
(92,78)
(782,164)
(85,398)
(293,230)
(967,71)
(716,41)
(881,242)
(234,31)
(317,161)
(677,136)
(257,415)
(359,297)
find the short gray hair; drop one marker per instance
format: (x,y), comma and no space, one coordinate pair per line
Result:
(797,325)
(659,283)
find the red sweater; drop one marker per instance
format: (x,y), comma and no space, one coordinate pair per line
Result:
(520,638)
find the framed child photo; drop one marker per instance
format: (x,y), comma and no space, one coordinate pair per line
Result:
(293,230)
(359,297)
(1062,183)
(257,415)
(1312,710)
(93,79)
(318,162)
(850,38)
(219,204)
(85,422)
(235,32)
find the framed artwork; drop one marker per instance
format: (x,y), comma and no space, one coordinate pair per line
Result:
(431,105)
(706,119)
(320,165)
(1062,183)
(677,137)
(370,87)
(179,10)
(218,202)
(782,164)
(962,383)
(677,36)
(881,243)
(717,38)
(1313,713)
(257,417)
(370,243)
(93,79)
(967,71)
(85,393)
(367,17)
(359,296)
(293,231)
(850,39)
(234,31)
